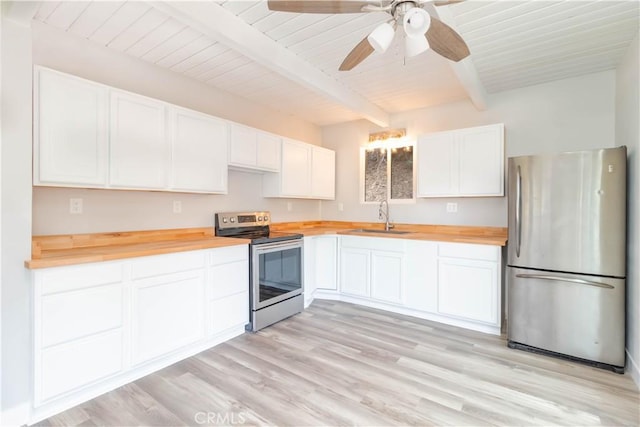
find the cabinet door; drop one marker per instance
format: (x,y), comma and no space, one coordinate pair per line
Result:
(323,173)
(481,152)
(229,312)
(242,146)
(387,273)
(70,130)
(139,148)
(437,165)
(421,280)
(168,313)
(296,169)
(355,271)
(468,289)
(326,263)
(268,152)
(309,269)
(199,153)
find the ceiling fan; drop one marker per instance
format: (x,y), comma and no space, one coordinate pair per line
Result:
(422,30)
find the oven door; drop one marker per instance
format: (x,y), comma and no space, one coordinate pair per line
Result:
(276,272)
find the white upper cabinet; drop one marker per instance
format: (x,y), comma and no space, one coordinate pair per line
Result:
(253,149)
(296,168)
(70,139)
(139,147)
(307,172)
(199,152)
(462,163)
(323,173)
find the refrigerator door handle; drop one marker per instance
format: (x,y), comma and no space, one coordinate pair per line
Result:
(564,279)
(518,211)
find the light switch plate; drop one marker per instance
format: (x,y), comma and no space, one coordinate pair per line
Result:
(452,207)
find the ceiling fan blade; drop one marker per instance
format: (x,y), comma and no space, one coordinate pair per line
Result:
(446,2)
(445,41)
(357,55)
(321,6)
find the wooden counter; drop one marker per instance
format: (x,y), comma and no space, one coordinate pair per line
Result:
(496,236)
(59,250)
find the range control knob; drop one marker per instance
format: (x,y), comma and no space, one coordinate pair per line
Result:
(224,219)
(259,219)
(266,218)
(232,220)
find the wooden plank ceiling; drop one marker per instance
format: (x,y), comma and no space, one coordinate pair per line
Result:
(513,44)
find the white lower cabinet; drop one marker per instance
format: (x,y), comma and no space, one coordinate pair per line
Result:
(453,283)
(372,268)
(469,282)
(101,325)
(326,262)
(387,276)
(167,314)
(228,289)
(355,271)
(421,285)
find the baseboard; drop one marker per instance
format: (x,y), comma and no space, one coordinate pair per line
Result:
(461,323)
(16,416)
(632,368)
(77,397)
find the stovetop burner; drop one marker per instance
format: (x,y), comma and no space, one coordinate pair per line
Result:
(250,225)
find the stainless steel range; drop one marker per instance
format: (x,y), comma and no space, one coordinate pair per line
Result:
(275,266)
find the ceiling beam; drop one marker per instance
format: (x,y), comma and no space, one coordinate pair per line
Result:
(465,70)
(222,25)
(20,11)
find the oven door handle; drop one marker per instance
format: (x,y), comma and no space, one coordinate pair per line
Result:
(287,244)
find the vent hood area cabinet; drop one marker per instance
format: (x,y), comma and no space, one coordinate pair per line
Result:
(253,149)
(306,172)
(462,163)
(89,135)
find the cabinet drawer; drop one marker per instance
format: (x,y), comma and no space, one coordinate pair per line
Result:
(167,264)
(228,279)
(229,254)
(229,312)
(62,279)
(66,367)
(469,251)
(71,315)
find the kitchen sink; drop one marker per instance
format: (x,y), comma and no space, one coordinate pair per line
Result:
(373,230)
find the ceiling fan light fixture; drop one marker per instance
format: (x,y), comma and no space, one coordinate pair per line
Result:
(415,45)
(381,37)
(416,22)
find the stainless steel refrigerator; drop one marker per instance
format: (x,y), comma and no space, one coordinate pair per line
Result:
(566,255)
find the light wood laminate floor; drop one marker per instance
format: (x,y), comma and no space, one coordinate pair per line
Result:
(342,364)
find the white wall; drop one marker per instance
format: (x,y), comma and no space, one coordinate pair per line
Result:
(112,210)
(628,133)
(16,219)
(121,210)
(571,114)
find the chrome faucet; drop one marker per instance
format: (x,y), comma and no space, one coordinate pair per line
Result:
(384,213)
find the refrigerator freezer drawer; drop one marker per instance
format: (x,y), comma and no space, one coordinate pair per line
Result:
(576,315)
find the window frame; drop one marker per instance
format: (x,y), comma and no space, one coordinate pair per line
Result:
(388,146)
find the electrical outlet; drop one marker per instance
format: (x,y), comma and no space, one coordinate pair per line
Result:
(75,206)
(177,206)
(289,206)
(452,207)
(340,207)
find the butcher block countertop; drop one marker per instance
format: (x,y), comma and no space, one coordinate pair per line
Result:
(70,249)
(496,236)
